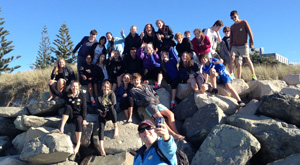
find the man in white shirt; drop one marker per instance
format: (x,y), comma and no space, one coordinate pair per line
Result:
(214,37)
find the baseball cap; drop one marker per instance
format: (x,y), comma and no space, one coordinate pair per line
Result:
(147,122)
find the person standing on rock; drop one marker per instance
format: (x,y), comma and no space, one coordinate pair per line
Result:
(238,44)
(75,109)
(152,136)
(106,103)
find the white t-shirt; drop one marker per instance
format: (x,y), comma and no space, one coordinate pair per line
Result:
(98,51)
(213,38)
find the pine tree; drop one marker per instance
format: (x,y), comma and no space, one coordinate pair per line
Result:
(6,48)
(43,60)
(64,45)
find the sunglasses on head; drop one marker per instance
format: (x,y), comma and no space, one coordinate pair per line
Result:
(233,17)
(143,129)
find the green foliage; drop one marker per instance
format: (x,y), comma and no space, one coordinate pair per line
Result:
(6,48)
(258,59)
(43,60)
(63,45)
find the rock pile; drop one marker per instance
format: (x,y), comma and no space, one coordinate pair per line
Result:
(217,131)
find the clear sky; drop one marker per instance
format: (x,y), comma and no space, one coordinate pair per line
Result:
(274,23)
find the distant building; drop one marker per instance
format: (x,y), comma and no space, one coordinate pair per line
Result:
(278,57)
(259,50)
(294,63)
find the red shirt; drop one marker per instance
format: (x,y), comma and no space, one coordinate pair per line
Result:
(198,48)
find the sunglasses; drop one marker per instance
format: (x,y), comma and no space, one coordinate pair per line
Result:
(143,129)
(226,31)
(233,17)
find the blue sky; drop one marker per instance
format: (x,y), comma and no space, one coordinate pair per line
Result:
(274,23)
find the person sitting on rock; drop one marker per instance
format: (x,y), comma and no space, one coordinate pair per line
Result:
(63,75)
(144,96)
(123,97)
(218,74)
(76,110)
(152,136)
(106,102)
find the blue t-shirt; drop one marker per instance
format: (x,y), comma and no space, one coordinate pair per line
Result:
(219,67)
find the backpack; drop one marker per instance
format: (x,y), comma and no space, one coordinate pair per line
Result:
(182,159)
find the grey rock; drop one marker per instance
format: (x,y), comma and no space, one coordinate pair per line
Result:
(7,127)
(164,97)
(183,90)
(13,111)
(186,108)
(241,87)
(86,135)
(124,158)
(143,115)
(12,160)
(227,144)
(277,138)
(46,108)
(186,148)
(251,108)
(198,127)
(4,144)
(227,104)
(294,91)
(32,133)
(66,163)
(128,139)
(259,88)
(292,79)
(47,149)
(25,122)
(284,107)
(291,160)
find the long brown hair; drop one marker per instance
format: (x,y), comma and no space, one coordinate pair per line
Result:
(164,25)
(202,36)
(57,67)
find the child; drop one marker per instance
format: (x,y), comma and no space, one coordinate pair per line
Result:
(144,95)
(218,74)
(107,101)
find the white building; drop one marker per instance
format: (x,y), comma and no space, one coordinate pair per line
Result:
(278,57)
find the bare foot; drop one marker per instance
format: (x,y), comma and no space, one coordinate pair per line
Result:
(76,149)
(178,137)
(116,134)
(129,120)
(61,131)
(102,152)
(84,123)
(50,98)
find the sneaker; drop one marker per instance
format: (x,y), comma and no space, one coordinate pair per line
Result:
(214,91)
(241,104)
(157,87)
(254,77)
(232,76)
(93,103)
(172,107)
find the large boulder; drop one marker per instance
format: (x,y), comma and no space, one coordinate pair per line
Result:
(277,138)
(186,148)
(86,135)
(183,90)
(13,111)
(197,127)
(292,159)
(227,144)
(186,108)
(294,91)
(47,149)
(251,108)
(259,88)
(25,122)
(240,86)
(292,79)
(32,133)
(46,108)
(284,107)
(164,97)
(128,139)
(124,158)
(4,144)
(12,160)
(143,115)
(7,127)
(227,104)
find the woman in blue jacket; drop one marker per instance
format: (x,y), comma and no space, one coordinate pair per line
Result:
(115,43)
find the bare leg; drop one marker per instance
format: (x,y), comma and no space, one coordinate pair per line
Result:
(116,133)
(231,68)
(250,65)
(233,91)
(50,93)
(90,90)
(130,110)
(159,78)
(63,123)
(78,138)
(102,152)
(114,87)
(213,77)
(126,111)
(193,83)
(61,84)
(96,89)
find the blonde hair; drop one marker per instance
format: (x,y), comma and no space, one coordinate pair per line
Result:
(57,66)
(177,35)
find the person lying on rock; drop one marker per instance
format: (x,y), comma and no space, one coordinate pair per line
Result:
(75,110)
(143,95)
(105,106)
(152,136)
(218,75)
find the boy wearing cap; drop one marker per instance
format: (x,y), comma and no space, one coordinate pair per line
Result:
(144,96)
(238,43)
(155,136)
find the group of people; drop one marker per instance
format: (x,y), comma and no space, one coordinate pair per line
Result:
(116,74)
